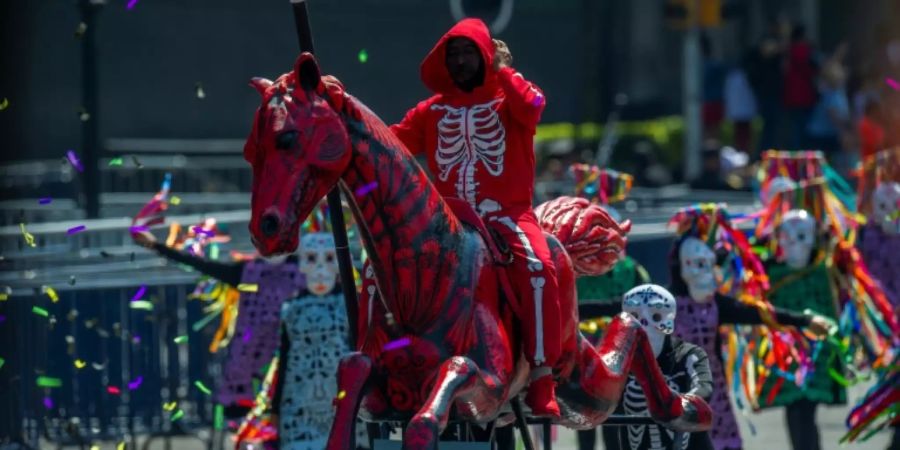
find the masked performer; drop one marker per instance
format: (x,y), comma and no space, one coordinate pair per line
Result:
(684,365)
(476,132)
(812,265)
(603,187)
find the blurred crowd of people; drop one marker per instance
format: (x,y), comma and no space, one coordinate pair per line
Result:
(804,97)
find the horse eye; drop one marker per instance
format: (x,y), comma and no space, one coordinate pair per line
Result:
(285,140)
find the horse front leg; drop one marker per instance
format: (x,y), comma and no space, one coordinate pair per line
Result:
(458,377)
(625,349)
(353,374)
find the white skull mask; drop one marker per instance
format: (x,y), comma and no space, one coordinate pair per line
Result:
(885,206)
(778,184)
(318,262)
(698,269)
(797,237)
(654,307)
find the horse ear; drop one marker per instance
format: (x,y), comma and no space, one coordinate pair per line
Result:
(307,71)
(260,84)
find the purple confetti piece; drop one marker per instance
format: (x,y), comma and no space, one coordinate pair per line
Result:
(538,100)
(247,334)
(892,83)
(48,403)
(136,383)
(73,159)
(198,230)
(138,228)
(399,343)
(2,318)
(136,339)
(366,189)
(45,201)
(131,4)
(140,293)
(77,229)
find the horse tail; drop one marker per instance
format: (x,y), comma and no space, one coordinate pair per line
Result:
(591,237)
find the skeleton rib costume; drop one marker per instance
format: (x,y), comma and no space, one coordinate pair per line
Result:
(479,146)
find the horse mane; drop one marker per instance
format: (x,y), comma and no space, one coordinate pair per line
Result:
(593,239)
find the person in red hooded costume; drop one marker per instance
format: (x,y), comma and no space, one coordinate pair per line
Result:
(477,133)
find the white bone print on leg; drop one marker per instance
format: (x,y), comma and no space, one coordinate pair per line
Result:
(467,135)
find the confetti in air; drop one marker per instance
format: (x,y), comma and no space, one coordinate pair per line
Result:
(113,390)
(29,238)
(80,29)
(219,418)
(892,83)
(140,293)
(48,403)
(170,406)
(48,382)
(115,162)
(136,383)
(54,297)
(247,287)
(40,311)
(366,189)
(80,364)
(2,361)
(121,446)
(174,200)
(141,304)
(75,230)
(45,201)
(131,4)
(180,339)
(178,414)
(399,343)
(4,104)
(199,90)
(341,394)
(83,115)
(363,56)
(202,387)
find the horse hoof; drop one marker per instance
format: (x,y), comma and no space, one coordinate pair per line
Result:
(421,433)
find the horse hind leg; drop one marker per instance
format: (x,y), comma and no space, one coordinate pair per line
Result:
(625,348)
(459,378)
(353,374)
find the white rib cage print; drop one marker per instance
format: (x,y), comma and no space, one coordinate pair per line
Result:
(467,135)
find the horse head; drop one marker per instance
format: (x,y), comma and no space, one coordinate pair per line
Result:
(298,147)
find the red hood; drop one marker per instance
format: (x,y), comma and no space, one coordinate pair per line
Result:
(434,69)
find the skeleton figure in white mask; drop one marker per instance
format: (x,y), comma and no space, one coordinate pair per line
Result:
(685,366)
(314,338)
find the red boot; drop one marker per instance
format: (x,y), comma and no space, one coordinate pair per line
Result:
(541,397)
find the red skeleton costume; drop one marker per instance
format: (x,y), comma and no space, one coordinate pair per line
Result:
(479,146)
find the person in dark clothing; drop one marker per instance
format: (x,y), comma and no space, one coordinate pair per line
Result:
(766,76)
(799,85)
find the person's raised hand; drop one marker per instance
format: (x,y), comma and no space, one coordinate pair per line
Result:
(820,326)
(502,56)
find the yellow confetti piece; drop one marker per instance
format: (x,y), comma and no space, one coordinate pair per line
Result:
(247,287)
(29,238)
(121,446)
(4,297)
(95,447)
(80,364)
(175,200)
(170,406)
(50,293)
(4,104)
(341,395)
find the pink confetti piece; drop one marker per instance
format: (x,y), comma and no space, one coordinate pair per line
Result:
(113,390)
(48,403)
(892,83)
(138,228)
(75,230)
(73,159)
(45,201)
(140,293)
(130,4)
(366,189)
(136,383)
(399,343)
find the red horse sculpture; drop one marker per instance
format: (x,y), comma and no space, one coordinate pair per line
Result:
(440,334)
